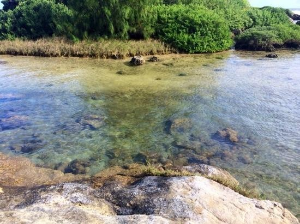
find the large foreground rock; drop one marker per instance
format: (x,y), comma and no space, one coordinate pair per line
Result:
(149,200)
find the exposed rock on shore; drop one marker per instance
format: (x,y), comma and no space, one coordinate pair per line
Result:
(21,172)
(29,194)
(272,56)
(150,200)
(295,17)
(137,60)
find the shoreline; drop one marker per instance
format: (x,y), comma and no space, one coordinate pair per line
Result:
(105,49)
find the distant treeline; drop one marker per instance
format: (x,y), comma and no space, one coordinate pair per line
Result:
(192,26)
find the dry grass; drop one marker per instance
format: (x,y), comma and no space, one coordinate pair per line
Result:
(151,170)
(57,47)
(249,193)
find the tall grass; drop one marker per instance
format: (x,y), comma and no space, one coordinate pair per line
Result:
(57,47)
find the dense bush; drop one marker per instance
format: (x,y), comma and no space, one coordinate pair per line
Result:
(192,26)
(192,29)
(114,18)
(34,19)
(269,37)
(6,25)
(268,16)
(234,11)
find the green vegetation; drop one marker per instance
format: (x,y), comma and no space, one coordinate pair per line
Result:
(35,19)
(192,29)
(233,11)
(269,37)
(268,16)
(113,19)
(192,26)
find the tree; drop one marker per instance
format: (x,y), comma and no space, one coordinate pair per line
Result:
(114,18)
(34,19)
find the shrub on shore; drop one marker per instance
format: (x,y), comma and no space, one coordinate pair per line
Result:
(268,38)
(190,26)
(268,16)
(233,11)
(35,19)
(192,29)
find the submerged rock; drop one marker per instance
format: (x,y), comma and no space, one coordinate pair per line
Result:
(150,200)
(78,167)
(29,145)
(92,121)
(193,145)
(227,134)
(137,60)
(178,125)
(10,96)
(13,122)
(69,128)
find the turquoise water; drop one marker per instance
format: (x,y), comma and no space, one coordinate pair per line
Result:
(81,115)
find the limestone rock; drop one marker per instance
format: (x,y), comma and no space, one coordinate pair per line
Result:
(21,172)
(150,200)
(137,60)
(154,59)
(272,55)
(296,17)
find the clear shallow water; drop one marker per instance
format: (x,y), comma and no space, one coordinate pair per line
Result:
(48,104)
